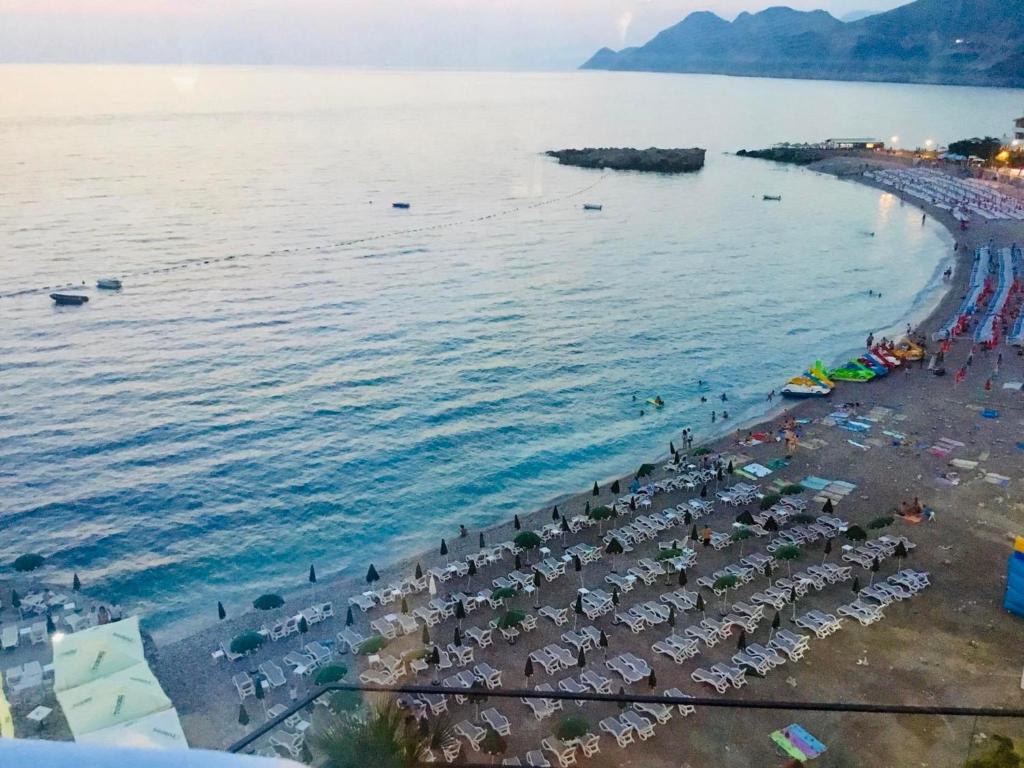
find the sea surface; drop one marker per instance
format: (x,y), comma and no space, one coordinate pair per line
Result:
(296,373)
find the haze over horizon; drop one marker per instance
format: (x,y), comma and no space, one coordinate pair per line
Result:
(461,34)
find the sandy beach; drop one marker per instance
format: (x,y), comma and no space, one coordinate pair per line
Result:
(952,644)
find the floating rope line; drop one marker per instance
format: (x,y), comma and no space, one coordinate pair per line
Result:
(202,261)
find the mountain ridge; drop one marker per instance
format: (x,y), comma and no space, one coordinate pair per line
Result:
(955,42)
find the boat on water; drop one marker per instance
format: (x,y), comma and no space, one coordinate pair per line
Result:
(657,402)
(68,299)
(592,206)
(109,284)
(776,198)
(400,205)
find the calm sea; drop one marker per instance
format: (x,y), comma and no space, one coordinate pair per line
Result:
(359,380)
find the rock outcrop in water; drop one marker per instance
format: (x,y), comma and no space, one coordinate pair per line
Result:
(793,155)
(652,160)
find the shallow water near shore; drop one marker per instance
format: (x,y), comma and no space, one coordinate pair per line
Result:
(208,432)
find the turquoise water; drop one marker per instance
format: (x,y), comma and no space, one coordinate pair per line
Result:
(211,430)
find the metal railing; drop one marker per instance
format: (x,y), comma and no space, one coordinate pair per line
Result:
(633,698)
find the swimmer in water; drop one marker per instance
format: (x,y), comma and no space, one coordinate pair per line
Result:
(641,412)
(703,399)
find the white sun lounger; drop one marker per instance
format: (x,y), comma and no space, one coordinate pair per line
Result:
(660,712)
(620,731)
(497,721)
(684,709)
(644,728)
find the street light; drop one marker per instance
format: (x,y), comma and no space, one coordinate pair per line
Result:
(929,143)
(894,140)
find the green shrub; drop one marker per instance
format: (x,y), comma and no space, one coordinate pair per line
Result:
(247,642)
(881,522)
(769,500)
(792,489)
(332,673)
(373,645)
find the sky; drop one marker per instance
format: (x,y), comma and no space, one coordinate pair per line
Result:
(475,34)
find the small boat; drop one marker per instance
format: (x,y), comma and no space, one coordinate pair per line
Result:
(776,198)
(803,386)
(400,205)
(852,371)
(109,284)
(657,402)
(68,299)
(591,206)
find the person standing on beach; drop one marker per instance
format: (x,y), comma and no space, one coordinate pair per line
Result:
(871,340)
(712,417)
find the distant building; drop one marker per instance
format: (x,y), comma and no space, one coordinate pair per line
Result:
(1018,129)
(854,144)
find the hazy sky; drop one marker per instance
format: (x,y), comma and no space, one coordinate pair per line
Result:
(540,34)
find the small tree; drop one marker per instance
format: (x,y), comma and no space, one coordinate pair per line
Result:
(493,743)
(572,727)
(372,575)
(644,471)
(769,500)
(740,535)
(1000,753)
(332,673)
(723,584)
(527,541)
(267,602)
(788,553)
(884,521)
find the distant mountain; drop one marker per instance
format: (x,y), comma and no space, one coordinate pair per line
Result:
(964,42)
(856,15)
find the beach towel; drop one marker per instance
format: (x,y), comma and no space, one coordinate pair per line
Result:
(815,483)
(777,464)
(859,445)
(944,446)
(990,413)
(1001,480)
(798,743)
(963,463)
(1014,385)
(757,470)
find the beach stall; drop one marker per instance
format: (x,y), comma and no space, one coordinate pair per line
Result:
(107,691)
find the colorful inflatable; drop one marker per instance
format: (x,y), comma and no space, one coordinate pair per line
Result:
(852,371)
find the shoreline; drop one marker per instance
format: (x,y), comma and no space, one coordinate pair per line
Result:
(573,502)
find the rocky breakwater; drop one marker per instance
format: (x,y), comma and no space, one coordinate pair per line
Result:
(651,160)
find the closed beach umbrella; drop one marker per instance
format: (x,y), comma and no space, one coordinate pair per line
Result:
(76,584)
(482,544)
(554,512)
(460,610)
(875,565)
(682,578)
(730,468)
(372,575)
(349,618)
(827,507)
(694,536)
(771,525)
(432,586)
(603,643)
(425,636)
(615,595)
(615,487)
(457,638)
(444,549)
(586,508)
(700,603)
(687,517)
(671,616)
(471,568)
(435,656)
(405,605)
(581,659)
(741,641)
(704,491)
(515,522)
(577,564)
(614,547)
(528,670)
(622,703)
(312,575)
(776,622)
(828,549)
(50,626)
(596,491)
(901,552)
(418,573)
(632,504)
(221,613)
(243,715)
(652,680)
(518,562)
(856,584)
(671,448)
